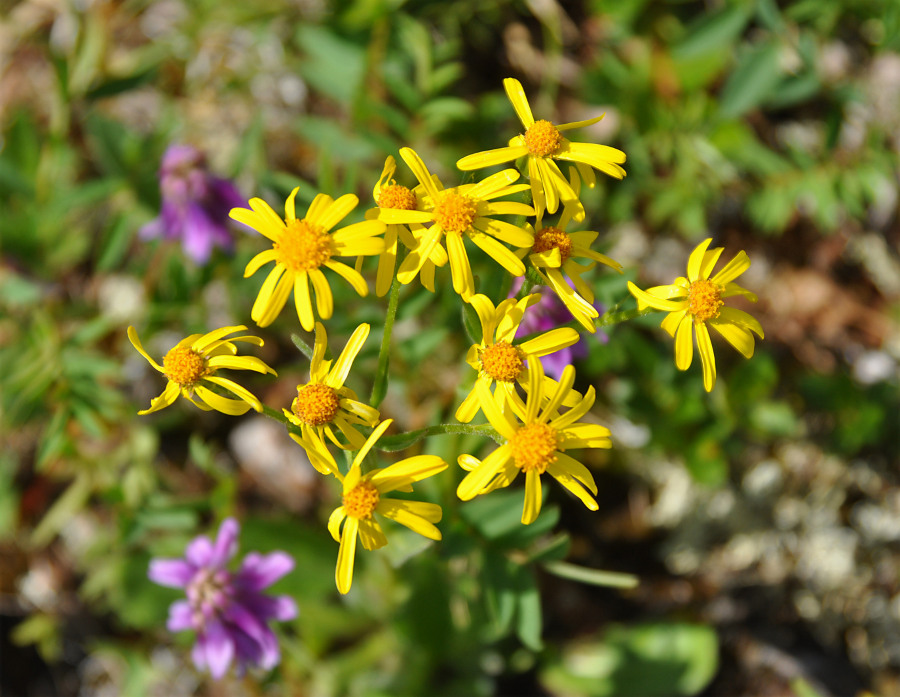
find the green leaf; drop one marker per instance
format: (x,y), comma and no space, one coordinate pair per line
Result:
(651,660)
(594,577)
(63,510)
(715,31)
(753,81)
(530,616)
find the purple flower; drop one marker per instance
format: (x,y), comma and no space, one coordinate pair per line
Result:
(227,609)
(548,313)
(195,204)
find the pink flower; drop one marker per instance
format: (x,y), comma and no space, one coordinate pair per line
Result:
(195,204)
(227,609)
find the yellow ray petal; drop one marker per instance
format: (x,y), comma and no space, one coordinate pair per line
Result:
(732,269)
(259,261)
(405,472)
(236,389)
(354,278)
(324,299)
(489,158)
(167,397)
(684,344)
(341,368)
(420,171)
(735,335)
(473,483)
(533,497)
(551,341)
(139,347)
(232,407)
(707,357)
(695,261)
(303,302)
(343,573)
(519,101)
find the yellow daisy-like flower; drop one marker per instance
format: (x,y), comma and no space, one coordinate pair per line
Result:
(501,362)
(554,252)
(324,403)
(388,194)
(195,360)
(301,248)
(544,144)
(363,496)
(698,300)
(462,212)
(537,445)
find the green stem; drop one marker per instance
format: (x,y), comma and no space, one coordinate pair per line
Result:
(401,441)
(305,348)
(379,388)
(607,319)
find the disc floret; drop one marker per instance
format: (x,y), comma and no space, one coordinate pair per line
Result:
(542,138)
(184,366)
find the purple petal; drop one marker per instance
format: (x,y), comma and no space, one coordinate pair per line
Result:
(261,571)
(181,616)
(248,652)
(226,543)
(225,194)
(281,608)
(155,228)
(199,234)
(219,649)
(246,621)
(174,573)
(199,551)
(198,653)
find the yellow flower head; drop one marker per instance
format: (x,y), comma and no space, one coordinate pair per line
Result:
(364,496)
(390,197)
(537,445)
(553,254)
(699,300)
(301,248)
(191,366)
(462,212)
(503,363)
(324,403)
(543,144)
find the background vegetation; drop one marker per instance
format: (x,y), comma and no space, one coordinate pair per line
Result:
(762,519)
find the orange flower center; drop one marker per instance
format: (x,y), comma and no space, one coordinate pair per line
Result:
(184,366)
(316,405)
(361,500)
(542,139)
(302,246)
(553,238)
(705,298)
(454,212)
(397,197)
(502,361)
(534,447)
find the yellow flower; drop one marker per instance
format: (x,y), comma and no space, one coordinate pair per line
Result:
(553,253)
(300,248)
(462,212)
(698,300)
(363,496)
(544,144)
(195,360)
(324,402)
(499,361)
(388,194)
(537,445)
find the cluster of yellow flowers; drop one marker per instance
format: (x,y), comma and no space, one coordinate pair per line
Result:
(537,431)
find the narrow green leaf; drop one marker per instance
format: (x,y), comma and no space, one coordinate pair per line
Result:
(594,577)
